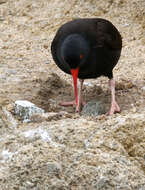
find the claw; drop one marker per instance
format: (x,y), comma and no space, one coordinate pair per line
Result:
(114,108)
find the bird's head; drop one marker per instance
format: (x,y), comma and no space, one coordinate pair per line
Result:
(74,51)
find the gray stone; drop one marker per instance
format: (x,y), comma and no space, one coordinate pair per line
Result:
(26,109)
(93,108)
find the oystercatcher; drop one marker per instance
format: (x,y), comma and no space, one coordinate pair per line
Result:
(88,48)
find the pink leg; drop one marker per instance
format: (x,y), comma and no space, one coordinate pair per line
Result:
(114,106)
(80,100)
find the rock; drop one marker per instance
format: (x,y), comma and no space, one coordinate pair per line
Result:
(26,109)
(107,171)
(51,153)
(93,108)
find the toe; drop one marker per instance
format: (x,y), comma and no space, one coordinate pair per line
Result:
(114,109)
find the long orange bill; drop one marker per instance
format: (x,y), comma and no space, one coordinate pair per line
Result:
(74,73)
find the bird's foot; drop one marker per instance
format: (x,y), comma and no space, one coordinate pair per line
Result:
(79,106)
(73,104)
(114,108)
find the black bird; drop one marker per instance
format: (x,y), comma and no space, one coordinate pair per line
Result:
(88,48)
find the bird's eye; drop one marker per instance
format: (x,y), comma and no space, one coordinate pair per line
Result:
(81,56)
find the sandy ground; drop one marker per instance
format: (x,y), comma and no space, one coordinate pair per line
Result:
(28,72)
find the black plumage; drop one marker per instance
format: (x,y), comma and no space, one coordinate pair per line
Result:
(91,45)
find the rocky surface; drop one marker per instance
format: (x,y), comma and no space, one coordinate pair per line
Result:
(93,108)
(25,109)
(60,149)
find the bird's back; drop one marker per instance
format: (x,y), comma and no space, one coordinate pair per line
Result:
(104,41)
